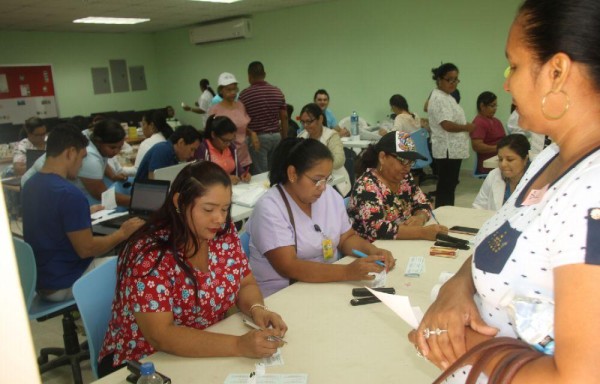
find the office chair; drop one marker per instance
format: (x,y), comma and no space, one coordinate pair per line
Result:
(245,240)
(94,293)
(39,309)
(420,138)
(476,173)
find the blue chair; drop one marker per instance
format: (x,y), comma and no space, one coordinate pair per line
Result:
(94,293)
(476,173)
(245,240)
(420,139)
(346,201)
(40,310)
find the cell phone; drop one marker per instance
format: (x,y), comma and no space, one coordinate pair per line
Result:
(364,292)
(451,239)
(462,246)
(465,230)
(364,300)
(135,366)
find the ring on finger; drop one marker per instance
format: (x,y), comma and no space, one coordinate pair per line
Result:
(430,332)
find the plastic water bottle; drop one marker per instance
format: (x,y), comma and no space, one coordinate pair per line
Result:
(533,321)
(148,375)
(354,126)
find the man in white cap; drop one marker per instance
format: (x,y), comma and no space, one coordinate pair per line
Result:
(267,109)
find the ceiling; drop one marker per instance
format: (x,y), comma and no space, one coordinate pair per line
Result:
(58,15)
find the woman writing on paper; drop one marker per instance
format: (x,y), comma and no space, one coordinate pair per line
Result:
(218,146)
(300,226)
(542,247)
(180,273)
(386,203)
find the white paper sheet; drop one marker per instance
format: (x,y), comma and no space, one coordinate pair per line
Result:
(109,200)
(401,306)
(101,213)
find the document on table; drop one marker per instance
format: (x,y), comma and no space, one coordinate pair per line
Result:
(247,194)
(109,199)
(401,307)
(269,378)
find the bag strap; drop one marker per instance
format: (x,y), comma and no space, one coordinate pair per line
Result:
(291,215)
(518,353)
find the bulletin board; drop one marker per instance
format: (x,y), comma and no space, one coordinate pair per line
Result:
(26,91)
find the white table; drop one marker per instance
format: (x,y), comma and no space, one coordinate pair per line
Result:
(329,339)
(348,142)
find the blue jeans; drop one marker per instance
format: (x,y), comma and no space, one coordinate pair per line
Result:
(261,160)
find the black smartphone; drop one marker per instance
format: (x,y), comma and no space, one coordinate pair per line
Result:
(364,292)
(451,239)
(364,300)
(466,230)
(135,366)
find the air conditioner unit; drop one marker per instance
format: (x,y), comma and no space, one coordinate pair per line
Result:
(224,30)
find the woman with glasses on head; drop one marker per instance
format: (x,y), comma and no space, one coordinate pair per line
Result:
(312,118)
(218,146)
(488,130)
(300,226)
(386,203)
(449,132)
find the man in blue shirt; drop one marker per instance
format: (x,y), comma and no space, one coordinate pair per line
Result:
(180,146)
(56,217)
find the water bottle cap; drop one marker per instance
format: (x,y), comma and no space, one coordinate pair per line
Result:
(147,369)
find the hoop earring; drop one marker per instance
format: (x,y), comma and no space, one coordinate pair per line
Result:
(177,210)
(565,108)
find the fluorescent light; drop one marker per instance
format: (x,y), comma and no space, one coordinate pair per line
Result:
(219,1)
(110,20)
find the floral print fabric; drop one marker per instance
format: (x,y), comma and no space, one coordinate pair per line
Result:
(153,285)
(377,212)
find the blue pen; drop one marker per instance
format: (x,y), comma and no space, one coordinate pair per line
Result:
(358,253)
(433,217)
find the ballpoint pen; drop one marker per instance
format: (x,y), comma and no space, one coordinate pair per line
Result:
(254,326)
(433,216)
(358,253)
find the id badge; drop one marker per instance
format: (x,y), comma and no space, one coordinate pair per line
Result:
(327,246)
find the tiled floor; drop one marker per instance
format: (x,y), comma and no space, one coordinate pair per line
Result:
(49,333)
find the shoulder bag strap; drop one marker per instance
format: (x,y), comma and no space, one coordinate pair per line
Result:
(291,215)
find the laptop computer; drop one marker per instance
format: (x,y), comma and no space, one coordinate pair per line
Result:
(171,172)
(31,155)
(147,196)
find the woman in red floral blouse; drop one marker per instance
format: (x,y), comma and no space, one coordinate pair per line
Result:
(386,203)
(180,273)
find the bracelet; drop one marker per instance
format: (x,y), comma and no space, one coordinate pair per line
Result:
(258,306)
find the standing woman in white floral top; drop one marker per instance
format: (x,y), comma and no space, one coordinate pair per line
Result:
(449,132)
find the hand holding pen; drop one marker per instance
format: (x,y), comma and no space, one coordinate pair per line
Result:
(383,258)
(250,324)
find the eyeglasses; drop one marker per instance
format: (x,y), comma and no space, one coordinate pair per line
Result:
(307,122)
(403,161)
(452,80)
(320,182)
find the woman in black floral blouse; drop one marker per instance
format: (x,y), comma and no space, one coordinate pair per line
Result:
(386,203)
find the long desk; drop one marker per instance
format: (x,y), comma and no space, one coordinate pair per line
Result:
(330,340)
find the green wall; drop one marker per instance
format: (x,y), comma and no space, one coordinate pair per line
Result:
(72,56)
(361,51)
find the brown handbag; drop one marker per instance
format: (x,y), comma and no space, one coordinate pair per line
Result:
(516,354)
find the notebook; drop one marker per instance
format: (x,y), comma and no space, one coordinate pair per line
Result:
(147,196)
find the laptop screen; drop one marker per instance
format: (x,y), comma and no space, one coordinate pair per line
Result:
(148,196)
(31,155)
